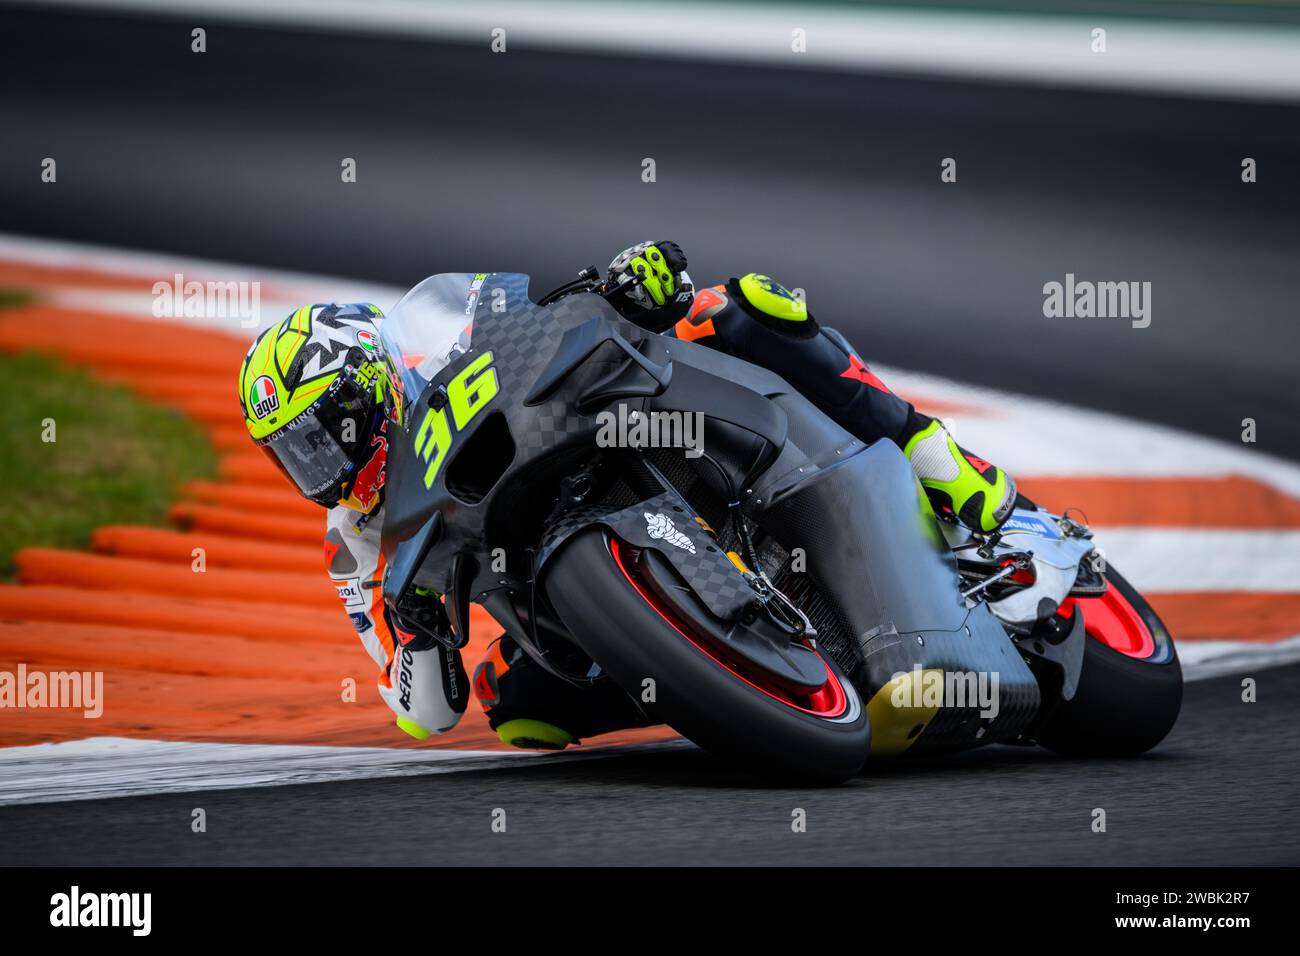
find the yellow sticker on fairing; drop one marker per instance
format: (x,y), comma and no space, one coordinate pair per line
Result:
(467,395)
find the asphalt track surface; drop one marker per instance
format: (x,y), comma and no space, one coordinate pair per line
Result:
(1219,791)
(531,161)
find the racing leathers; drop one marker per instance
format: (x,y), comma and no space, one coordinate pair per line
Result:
(757,319)
(427,689)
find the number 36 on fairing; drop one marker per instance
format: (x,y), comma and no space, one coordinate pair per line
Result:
(467,395)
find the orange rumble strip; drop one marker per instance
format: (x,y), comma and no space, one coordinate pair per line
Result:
(218,551)
(193,616)
(1228,502)
(250,468)
(294,529)
(255,647)
(254,499)
(1257,616)
(178,579)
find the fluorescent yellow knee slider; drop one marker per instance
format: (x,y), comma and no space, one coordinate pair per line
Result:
(414,729)
(534,735)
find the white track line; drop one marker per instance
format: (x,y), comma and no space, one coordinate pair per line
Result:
(280,291)
(1195,559)
(106,767)
(1043,438)
(1202,660)
(1169,56)
(100,768)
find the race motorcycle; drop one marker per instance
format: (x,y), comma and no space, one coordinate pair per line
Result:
(780,593)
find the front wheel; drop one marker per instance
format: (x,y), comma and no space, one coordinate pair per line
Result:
(596,586)
(1131,686)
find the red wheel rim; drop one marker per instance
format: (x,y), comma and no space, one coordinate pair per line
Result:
(1111,619)
(828,701)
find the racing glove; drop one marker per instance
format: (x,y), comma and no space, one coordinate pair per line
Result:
(661,292)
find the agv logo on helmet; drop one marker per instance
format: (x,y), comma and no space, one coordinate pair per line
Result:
(263,398)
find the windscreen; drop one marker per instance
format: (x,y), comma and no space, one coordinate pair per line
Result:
(431,326)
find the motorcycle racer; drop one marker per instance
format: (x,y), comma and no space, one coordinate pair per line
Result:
(318,397)
(315,393)
(757,319)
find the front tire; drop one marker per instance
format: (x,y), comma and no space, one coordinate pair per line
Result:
(593,586)
(1130,689)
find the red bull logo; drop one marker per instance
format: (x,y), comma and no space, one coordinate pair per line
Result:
(370,479)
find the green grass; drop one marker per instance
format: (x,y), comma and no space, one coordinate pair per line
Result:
(12,298)
(115,459)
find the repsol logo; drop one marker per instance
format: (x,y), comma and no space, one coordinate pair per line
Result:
(350,592)
(404,685)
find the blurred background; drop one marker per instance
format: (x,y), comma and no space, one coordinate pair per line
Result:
(819,167)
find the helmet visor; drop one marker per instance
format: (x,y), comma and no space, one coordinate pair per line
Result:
(316,449)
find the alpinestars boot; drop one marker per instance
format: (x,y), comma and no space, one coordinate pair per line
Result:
(976,491)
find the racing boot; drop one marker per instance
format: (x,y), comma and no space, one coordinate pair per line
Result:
(757,319)
(976,491)
(531,708)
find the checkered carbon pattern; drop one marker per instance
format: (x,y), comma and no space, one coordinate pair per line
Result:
(708,572)
(522,339)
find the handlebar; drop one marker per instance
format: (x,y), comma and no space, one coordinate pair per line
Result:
(589,280)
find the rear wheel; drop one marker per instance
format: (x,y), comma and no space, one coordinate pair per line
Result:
(596,585)
(1131,686)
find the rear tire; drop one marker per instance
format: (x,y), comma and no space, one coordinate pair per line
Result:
(590,585)
(1124,704)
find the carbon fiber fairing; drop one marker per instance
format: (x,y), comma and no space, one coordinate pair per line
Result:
(875,552)
(667,524)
